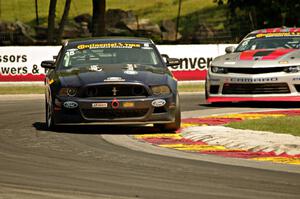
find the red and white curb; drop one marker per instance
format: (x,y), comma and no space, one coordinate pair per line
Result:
(205,135)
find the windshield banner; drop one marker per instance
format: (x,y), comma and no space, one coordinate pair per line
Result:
(22,64)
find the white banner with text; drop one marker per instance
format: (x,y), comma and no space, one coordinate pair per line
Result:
(19,63)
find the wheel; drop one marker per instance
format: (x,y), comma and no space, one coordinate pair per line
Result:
(50,116)
(206,90)
(174,126)
(206,93)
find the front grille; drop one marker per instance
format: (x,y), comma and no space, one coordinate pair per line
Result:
(214,89)
(159,110)
(255,70)
(113,113)
(118,90)
(244,89)
(297,86)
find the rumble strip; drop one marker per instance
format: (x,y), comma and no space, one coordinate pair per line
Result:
(194,141)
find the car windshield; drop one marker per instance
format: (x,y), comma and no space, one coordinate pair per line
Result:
(118,53)
(254,43)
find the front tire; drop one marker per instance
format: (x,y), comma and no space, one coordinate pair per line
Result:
(174,126)
(50,116)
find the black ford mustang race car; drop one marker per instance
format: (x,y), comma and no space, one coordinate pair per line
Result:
(111,81)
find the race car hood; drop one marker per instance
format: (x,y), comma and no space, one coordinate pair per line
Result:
(146,74)
(259,58)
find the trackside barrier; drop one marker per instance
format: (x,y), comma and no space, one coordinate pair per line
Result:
(22,64)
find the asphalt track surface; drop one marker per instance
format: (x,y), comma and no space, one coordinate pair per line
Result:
(77,162)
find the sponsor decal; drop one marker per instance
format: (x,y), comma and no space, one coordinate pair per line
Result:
(283,62)
(278,34)
(99,105)
(70,104)
(95,68)
(114,79)
(108,45)
(128,104)
(130,69)
(158,103)
(130,72)
(229,63)
(254,80)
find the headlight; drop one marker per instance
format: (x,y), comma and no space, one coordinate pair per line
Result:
(216,69)
(70,92)
(292,69)
(160,90)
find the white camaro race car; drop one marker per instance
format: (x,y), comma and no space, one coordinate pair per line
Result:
(265,66)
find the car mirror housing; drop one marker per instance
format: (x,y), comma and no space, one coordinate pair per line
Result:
(229,49)
(173,62)
(48,64)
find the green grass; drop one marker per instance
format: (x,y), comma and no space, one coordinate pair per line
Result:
(168,9)
(34,89)
(155,10)
(287,125)
(21,89)
(191,88)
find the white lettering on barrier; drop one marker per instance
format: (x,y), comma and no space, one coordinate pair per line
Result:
(23,63)
(193,57)
(196,63)
(20,63)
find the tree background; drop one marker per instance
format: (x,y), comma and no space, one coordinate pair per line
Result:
(98,20)
(258,14)
(39,22)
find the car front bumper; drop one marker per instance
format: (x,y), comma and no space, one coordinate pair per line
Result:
(103,111)
(259,87)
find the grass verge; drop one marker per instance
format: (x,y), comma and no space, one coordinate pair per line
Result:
(191,88)
(286,125)
(6,90)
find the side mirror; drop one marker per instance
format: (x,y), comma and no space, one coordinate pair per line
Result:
(173,62)
(165,57)
(48,64)
(229,49)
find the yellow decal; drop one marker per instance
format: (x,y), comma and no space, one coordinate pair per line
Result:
(108,45)
(128,104)
(283,62)
(278,34)
(51,81)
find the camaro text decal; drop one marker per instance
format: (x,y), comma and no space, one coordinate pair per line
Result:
(250,80)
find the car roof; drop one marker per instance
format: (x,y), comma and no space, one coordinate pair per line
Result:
(75,42)
(276,30)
